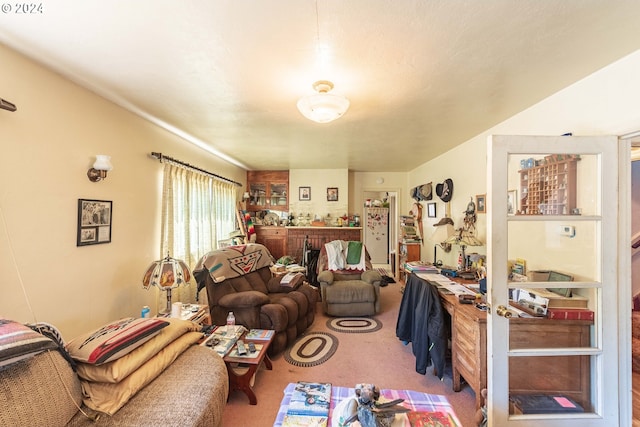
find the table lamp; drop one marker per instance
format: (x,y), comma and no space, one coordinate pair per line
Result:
(463,238)
(166,274)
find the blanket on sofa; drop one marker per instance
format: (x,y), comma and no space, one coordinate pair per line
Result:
(234,261)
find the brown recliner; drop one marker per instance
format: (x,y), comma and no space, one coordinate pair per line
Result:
(244,285)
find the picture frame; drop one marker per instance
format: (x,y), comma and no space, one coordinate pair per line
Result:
(304,193)
(512,202)
(94,222)
(431,210)
(332,194)
(481,203)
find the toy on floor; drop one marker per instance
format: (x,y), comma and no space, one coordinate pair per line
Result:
(370,412)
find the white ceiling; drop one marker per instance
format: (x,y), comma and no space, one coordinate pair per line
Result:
(422,75)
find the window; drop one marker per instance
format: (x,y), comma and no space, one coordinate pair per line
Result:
(197,211)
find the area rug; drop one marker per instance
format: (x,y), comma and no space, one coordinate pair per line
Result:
(354,325)
(312,349)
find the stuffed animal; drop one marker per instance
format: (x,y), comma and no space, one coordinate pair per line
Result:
(370,413)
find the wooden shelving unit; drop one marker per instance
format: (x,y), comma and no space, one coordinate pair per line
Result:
(268,190)
(549,188)
(407,251)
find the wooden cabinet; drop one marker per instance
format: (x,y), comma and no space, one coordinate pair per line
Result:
(407,252)
(566,375)
(268,190)
(274,238)
(549,188)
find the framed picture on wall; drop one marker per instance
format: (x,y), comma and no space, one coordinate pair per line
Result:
(332,194)
(431,210)
(304,193)
(94,222)
(481,203)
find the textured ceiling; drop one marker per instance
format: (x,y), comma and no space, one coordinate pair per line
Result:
(422,75)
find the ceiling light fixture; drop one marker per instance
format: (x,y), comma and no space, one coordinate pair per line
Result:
(323,107)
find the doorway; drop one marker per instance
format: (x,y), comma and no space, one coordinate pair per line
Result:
(381,242)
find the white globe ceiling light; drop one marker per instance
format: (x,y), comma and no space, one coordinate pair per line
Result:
(323,107)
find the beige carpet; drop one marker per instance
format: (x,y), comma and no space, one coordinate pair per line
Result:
(377,357)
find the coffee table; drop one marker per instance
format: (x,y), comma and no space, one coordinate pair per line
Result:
(414,400)
(242,369)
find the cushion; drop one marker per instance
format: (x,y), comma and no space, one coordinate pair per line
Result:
(18,342)
(39,391)
(114,339)
(117,370)
(350,291)
(51,332)
(109,397)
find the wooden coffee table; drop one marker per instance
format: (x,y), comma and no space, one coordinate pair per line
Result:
(242,369)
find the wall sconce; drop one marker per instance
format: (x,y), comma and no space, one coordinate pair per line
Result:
(100,168)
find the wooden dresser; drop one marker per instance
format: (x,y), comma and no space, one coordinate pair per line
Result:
(567,375)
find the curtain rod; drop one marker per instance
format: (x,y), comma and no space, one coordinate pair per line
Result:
(161,157)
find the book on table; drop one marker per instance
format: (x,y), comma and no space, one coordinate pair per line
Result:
(259,334)
(309,404)
(221,341)
(430,419)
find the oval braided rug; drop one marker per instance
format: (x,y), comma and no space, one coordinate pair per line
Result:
(312,349)
(354,325)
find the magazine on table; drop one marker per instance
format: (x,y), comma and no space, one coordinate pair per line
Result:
(259,334)
(309,404)
(221,341)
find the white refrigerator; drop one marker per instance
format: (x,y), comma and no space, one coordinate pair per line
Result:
(376,234)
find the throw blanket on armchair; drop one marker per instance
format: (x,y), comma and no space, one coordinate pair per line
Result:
(343,255)
(235,261)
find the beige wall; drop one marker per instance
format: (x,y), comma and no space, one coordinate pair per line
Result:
(47,147)
(604,103)
(319,180)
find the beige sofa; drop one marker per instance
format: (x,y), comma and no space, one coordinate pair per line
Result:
(44,390)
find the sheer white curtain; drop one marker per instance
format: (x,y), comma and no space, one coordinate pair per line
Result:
(197,211)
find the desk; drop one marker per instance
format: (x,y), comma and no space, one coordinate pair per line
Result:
(567,375)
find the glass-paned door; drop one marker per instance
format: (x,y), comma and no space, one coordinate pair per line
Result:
(552,243)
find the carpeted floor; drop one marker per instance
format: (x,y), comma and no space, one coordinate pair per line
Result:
(377,357)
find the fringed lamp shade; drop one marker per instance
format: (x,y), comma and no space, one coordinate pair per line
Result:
(166,274)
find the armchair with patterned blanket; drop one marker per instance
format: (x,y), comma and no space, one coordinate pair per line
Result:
(349,285)
(238,279)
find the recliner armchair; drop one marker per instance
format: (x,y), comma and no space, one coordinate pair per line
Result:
(238,279)
(348,292)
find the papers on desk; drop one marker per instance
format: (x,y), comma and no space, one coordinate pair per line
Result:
(443,282)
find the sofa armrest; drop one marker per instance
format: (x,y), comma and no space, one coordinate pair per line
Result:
(372,276)
(310,292)
(244,299)
(325,277)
